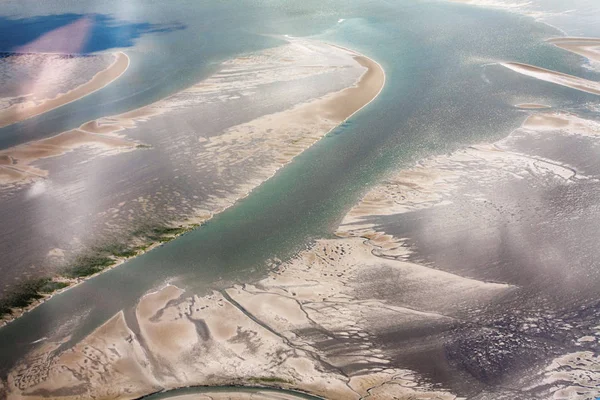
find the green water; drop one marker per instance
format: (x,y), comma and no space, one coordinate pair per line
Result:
(440,95)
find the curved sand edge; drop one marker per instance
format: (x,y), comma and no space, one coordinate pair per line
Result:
(336,107)
(21,112)
(558,78)
(584,46)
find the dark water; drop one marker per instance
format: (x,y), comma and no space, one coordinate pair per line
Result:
(228,389)
(440,95)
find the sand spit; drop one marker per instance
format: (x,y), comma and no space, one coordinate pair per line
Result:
(281,136)
(344,104)
(334,108)
(15,163)
(558,78)
(23,111)
(586,47)
(531,106)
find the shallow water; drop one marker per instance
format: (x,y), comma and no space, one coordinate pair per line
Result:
(443,91)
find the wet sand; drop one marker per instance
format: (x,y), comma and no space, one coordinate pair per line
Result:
(586,47)
(555,77)
(304,327)
(419,287)
(354,316)
(448,213)
(23,111)
(16,166)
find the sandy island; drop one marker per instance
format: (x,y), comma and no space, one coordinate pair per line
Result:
(21,112)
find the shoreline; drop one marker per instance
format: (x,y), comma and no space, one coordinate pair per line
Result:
(21,112)
(372,80)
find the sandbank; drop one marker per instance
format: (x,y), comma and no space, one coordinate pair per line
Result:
(558,78)
(347,102)
(21,112)
(586,47)
(531,106)
(567,122)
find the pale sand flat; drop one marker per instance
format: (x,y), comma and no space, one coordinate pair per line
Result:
(23,155)
(21,112)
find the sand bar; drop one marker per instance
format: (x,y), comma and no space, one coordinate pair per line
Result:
(586,47)
(21,112)
(347,102)
(531,106)
(309,121)
(558,78)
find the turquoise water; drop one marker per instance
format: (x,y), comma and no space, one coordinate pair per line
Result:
(443,91)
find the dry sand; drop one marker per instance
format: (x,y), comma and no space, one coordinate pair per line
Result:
(20,112)
(531,106)
(344,104)
(586,47)
(555,77)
